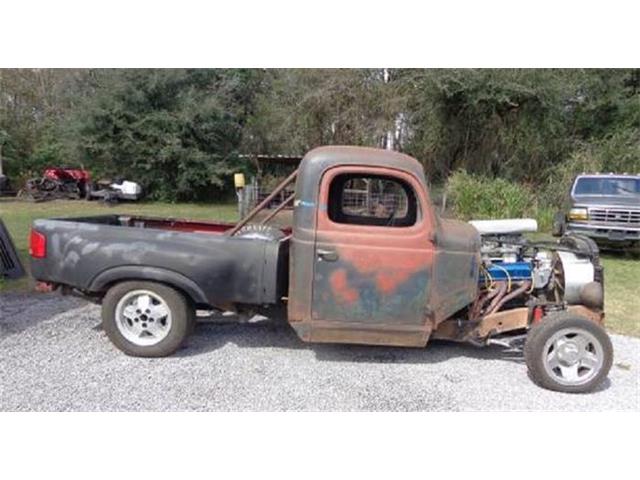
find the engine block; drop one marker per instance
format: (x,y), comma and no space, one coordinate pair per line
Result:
(504,271)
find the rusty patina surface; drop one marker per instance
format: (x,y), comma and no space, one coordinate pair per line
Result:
(386,285)
(515,319)
(594,315)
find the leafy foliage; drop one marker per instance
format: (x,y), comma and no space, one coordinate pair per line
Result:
(179,132)
(298,110)
(174,131)
(477,197)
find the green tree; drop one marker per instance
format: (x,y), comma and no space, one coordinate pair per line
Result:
(33,106)
(297,110)
(178,131)
(174,131)
(518,124)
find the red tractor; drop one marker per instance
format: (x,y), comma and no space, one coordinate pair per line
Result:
(59,182)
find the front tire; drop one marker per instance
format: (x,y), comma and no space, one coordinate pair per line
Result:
(146,319)
(568,353)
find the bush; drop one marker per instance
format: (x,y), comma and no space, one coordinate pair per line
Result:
(544,216)
(478,197)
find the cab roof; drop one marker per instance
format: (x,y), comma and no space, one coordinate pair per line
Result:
(320,159)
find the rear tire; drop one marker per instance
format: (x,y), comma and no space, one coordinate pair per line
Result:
(568,353)
(146,319)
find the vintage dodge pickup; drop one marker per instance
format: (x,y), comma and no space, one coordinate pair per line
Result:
(366,260)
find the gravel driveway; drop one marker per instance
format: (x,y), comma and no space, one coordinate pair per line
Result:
(54,356)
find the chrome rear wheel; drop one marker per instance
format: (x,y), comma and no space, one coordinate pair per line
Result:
(143,317)
(147,319)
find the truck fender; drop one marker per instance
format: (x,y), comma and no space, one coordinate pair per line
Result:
(134,272)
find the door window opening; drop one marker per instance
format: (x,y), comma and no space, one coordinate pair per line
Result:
(375,200)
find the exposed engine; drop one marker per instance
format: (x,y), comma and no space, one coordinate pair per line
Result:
(546,274)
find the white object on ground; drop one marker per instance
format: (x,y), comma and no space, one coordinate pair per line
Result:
(128,188)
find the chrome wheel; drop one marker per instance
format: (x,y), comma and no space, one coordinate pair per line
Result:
(573,356)
(143,317)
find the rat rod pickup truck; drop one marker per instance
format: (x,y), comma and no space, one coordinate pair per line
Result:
(367,260)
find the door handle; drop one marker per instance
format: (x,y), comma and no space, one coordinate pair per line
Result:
(327,255)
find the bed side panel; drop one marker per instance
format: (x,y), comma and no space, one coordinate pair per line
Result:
(226,269)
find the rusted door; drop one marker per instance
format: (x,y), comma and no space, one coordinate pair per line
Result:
(373,251)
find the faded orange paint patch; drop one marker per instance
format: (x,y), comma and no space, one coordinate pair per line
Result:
(340,286)
(372,262)
(388,272)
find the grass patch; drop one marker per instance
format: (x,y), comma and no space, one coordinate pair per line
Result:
(622,294)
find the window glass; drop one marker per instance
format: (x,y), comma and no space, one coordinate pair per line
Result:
(607,186)
(371,200)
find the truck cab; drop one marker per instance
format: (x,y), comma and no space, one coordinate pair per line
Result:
(370,260)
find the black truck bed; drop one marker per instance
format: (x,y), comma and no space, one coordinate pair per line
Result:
(91,253)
